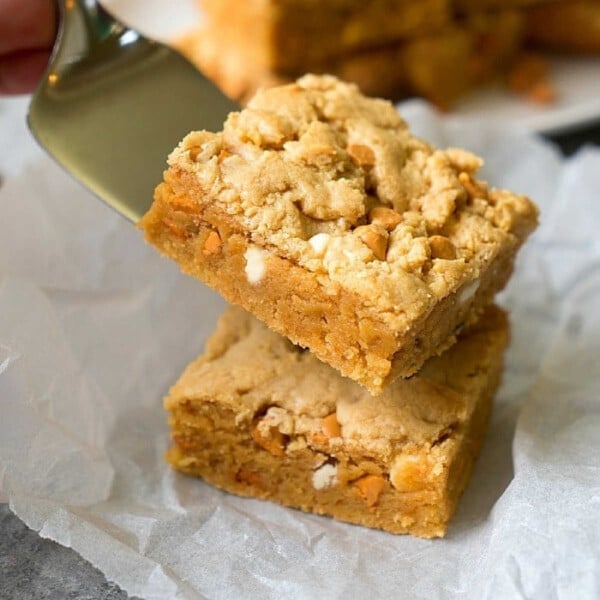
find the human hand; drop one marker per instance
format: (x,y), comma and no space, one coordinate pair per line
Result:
(27,31)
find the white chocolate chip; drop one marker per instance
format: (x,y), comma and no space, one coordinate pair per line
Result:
(324,477)
(277,418)
(255,264)
(319,243)
(467,293)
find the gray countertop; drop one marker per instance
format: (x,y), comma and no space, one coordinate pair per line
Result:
(33,568)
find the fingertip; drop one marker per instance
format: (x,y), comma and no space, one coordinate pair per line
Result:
(31,24)
(21,72)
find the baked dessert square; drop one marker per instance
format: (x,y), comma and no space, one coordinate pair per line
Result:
(257,416)
(475,49)
(440,66)
(317,211)
(297,36)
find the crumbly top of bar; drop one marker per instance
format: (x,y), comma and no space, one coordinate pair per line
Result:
(259,374)
(334,181)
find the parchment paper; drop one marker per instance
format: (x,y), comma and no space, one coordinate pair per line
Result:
(94,327)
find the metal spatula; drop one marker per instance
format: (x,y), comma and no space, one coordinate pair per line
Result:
(113,104)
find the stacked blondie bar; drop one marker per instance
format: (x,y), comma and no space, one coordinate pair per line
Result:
(359,381)
(438,49)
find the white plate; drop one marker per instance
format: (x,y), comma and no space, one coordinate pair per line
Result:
(577,80)
(577,83)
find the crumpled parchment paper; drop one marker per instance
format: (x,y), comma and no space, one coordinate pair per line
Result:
(94,327)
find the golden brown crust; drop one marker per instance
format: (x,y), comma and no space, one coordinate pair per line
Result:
(258,417)
(291,203)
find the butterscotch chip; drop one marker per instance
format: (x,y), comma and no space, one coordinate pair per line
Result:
(386,217)
(473,189)
(410,472)
(330,426)
(370,487)
(375,237)
(273,442)
(194,151)
(365,298)
(184,204)
(253,391)
(442,247)
(212,244)
(362,155)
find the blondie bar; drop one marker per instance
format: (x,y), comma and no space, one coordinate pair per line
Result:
(317,210)
(440,66)
(257,416)
(297,36)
